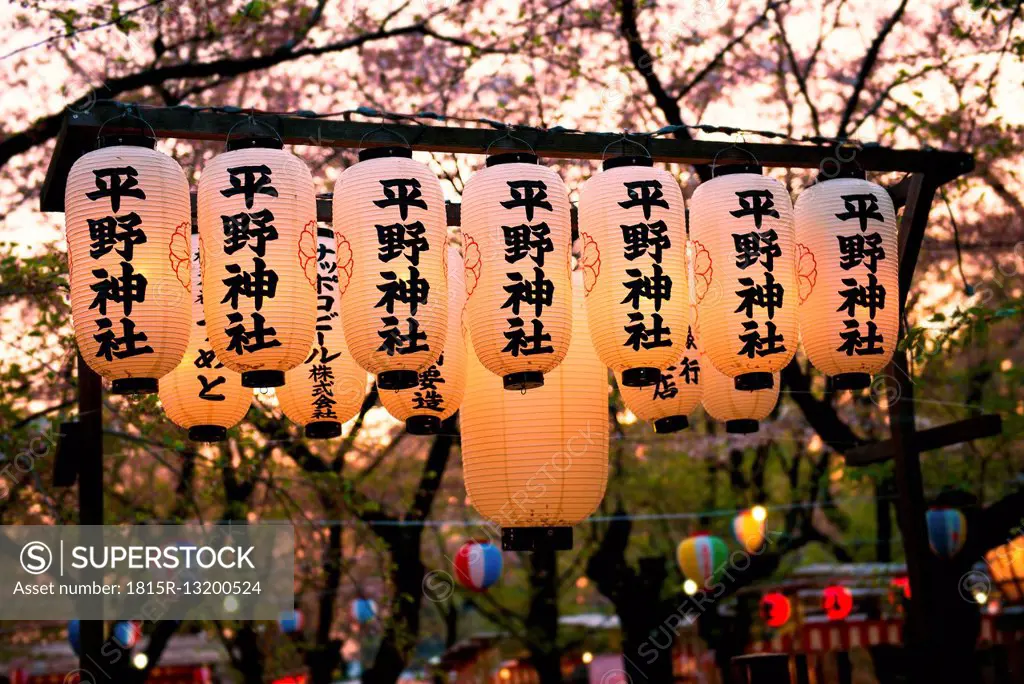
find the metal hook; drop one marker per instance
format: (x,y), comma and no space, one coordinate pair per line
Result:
(508,134)
(253,121)
(130,112)
(382,127)
(624,138)
(731,146)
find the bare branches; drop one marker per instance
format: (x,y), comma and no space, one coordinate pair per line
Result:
(801,79)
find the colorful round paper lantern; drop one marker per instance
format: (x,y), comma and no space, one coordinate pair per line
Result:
(749,528)
(126,209)
(740,410)
(776,609)
(257,208)
(516,231)
(290,622)
(390,212)
(441,386)
(364,610)
(539,459)
(669,402)
(741,225)
(947,531)
(328,387)
(1006,567)
(848,273)
(702,558)
(201,394)
(125,634)
(478,565)
(638,302)
(837,601)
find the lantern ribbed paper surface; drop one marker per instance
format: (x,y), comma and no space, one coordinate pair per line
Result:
(702,558)
(947,531)
(328,388)
(540,458)
(739,409)
(516,228)
(1006,566)
(741,225)
(257,208)
(390,211)
(125,207)
(201,394)
(637,301)
(441,385)
(848,275)
(676,394)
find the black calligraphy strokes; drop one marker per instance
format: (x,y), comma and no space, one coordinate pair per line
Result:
(527,240)
(401,239)
(108,231)
(755,344)
(858,249)
(126,289)
(116,182)
(427,397)
(207,386)
(861,249)
(647,238)
(756,203)
(687,370)
(527,343)
(402,193)
(241,340)
(645,194)
(656,287)
(758,248)
(395,342)
(538,292)
(528,194)
(861,207)
(639,334)
(126,346)
(240,229)
(322,394)
(249,181)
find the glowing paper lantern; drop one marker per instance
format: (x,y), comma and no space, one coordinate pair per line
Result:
(775,609)
(364,610)
(438,394)
(848,273)
(125,634)
(290,621)
(741,225)
(740,410)
(478,565)
(1006,566)
(257,207)
(947,531)
(515,223)
(390,212)
(668,403)
(702,558)
(837,602)
(328,388)
(638,304)
(749,528)
(537,463)
(126,206)
(201,394)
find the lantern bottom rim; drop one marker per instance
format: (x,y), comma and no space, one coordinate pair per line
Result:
(643,376)
(134,386)
(851,381)
(323,429)
(207,433)
(397,380)
(742,426)
(751,382)
(523,381)
(536,538)
(668,424)
(423,425)
(262,378)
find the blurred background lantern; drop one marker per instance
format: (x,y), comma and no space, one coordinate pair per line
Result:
(638,301)
(201,394)
(291,622)
(947,531)
(848,272)
(328,387)
(702,558)
(775,609)
(559,430)
(127,220)
(390,212)
(740,410)
(837,602)
(741,222)
(516,228)
(75,636)
(257,214)
(478,565)
(364,610)
(441,386)
(1006,567)
(125,634)
(749,528)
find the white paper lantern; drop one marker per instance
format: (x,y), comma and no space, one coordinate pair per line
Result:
(124,206)
(516,232)
(848,275)
(632,216)
(668,403)
(741,225)
(740,410)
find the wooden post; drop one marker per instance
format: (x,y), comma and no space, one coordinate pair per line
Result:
(90,503)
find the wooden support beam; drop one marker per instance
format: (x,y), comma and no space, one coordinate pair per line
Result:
(989,425)
(185,123)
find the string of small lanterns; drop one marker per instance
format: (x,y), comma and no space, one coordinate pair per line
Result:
(262,298)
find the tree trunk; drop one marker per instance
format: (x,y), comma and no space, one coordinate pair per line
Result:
(325,657)
(542,619)
(883,519)
(647,635)
(400,635)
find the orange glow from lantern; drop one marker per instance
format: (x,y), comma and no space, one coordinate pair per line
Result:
(775,609)
(837,602)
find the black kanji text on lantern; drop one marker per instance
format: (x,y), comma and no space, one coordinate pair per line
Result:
(861,338)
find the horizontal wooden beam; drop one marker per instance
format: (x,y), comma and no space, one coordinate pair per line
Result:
(988,425)
(185,123)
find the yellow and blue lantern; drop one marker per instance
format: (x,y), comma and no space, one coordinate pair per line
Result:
(749,528)
(947,531)
(478,565)
(702,558)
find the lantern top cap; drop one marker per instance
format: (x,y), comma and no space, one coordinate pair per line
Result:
(136,139)
(252,136)
(848,170)
(512,158)
(396,151)
(626,160)
(735,160)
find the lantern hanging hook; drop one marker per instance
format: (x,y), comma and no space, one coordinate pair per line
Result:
(508,135)
(382,127)
(130,112)
(732,146)
(254,122)
(624,138)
